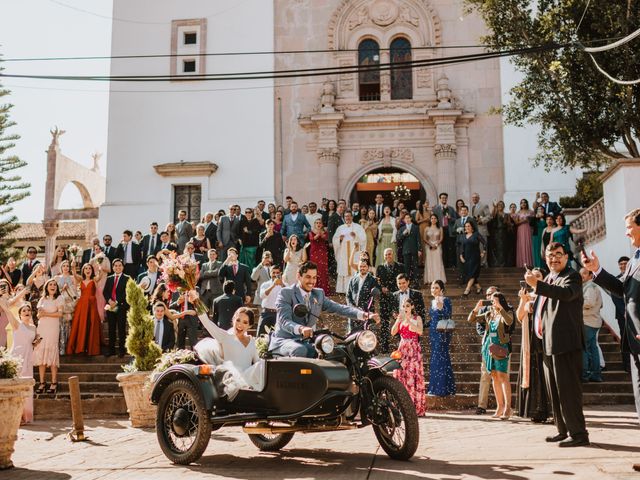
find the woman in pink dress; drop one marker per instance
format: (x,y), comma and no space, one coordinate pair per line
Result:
(409,326)
(47,352)
(524,234)
(319,254)
(24,333)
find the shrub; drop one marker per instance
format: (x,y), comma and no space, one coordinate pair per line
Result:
(140,342)
(10,365)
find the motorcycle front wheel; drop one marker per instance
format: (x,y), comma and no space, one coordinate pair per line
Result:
(394,419)
(183,426)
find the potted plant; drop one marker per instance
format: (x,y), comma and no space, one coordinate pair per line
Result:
(140,344)
(13,391)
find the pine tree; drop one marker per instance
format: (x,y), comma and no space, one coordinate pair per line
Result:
(140,341)
(12,188)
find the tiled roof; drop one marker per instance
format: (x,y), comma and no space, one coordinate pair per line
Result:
(35,231)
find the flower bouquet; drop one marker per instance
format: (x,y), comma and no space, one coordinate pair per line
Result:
(73,250)
(181,273)
(99,258)
(401,192)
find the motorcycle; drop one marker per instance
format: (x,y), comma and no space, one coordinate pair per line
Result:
(345,388)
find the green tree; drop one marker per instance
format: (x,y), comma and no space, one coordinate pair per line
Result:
(140,343)
(12,188)
(586,120)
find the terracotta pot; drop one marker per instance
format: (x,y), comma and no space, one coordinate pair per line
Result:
(13,391)
(136,393)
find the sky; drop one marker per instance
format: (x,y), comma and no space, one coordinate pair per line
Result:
(46,28)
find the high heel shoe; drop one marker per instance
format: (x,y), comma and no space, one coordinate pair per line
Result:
(466,293)
(478,289)
(507,414)
(53,388)
(41,388)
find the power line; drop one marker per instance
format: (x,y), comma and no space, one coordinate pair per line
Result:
(295,73)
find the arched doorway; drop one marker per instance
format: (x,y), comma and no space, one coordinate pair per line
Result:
(383,181)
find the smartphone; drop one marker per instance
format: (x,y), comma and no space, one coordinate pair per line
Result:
(487,303)
(528,267)
(523,284)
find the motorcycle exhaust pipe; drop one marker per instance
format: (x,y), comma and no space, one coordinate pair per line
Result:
(270,430)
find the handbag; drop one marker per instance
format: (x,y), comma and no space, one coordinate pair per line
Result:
(498,352)
(446,325)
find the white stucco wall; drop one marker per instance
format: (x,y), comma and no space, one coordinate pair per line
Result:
(522,180)
(162,122)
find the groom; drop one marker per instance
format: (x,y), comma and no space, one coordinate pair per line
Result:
(291,330)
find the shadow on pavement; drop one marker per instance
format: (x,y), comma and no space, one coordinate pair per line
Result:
(25,474)
(616,448)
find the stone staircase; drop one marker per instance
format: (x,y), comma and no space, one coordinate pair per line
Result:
(103,398)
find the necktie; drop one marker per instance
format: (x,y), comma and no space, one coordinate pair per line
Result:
(637,255)
(156,333)
(115,286)
(473,211)
(164,246)
(152,245)
(30,263)
(464,220)
(445,219)
(235,269)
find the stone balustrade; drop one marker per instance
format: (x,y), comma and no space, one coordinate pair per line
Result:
(593,220)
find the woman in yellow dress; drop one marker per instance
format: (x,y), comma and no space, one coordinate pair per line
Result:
(371,229)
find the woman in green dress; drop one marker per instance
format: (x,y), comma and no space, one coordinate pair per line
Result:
(498,320)
(386,237)
(538,229)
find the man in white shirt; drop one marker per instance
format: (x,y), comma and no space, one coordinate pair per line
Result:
(592,324)
(269,291)
(313,214)
(260,274)
(149,279)
(163,332)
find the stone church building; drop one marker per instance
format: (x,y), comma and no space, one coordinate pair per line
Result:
(203,145)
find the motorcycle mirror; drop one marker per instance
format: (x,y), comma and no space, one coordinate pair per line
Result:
(300,310)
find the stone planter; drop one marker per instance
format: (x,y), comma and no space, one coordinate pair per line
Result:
(136,394)
(13,391)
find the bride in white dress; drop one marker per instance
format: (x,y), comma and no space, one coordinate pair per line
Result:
(236,350)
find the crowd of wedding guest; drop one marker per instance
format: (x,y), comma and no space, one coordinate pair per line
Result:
(246,257)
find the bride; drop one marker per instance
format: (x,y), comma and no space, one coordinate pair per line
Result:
(236,350)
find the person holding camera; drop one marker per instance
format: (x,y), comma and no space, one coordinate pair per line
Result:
(268,292)
(496,348)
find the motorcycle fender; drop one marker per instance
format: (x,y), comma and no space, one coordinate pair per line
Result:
(204,384)
(384,364)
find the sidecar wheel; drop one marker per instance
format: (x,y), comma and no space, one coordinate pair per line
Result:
(271,443)
(183,426)
(395,421)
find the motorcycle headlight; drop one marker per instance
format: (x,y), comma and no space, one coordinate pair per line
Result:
(367,341)
(325,344)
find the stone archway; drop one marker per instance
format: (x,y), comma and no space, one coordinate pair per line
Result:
(425,181)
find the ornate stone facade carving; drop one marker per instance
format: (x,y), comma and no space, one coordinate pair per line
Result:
(445,150)
(387,155)
(328,98)
(329,155)
(444,93)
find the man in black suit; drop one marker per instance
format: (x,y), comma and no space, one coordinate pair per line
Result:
(151,277)
(108,249)
(409,238)
(190,252)
(129,252)
(618,302)
(626,287)
(558,322)
(446,217)
(378,207)
(89,253)
(188,320)
(163,331)
(403,293)
(387,278)
(28,265)
(151,241)
(165,244)
(226,305)
(271,241)
(363,287)
(115,295)
(239,273)
(210,229)
(209,280)
(550,208)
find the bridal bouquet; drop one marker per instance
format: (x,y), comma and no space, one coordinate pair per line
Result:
(181,273)
(73,250)
(99,258)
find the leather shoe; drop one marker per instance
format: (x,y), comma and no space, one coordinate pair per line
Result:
(558,438)
(636,467)
(481,411)
(575,442)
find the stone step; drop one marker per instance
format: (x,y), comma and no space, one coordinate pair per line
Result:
(93,406)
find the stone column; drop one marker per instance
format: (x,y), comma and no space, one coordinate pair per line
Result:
(385,78)
(328,150)
(329,159)
(51,232)
(445,154)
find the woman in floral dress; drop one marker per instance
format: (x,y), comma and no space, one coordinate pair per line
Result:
(69,294)
(409,326)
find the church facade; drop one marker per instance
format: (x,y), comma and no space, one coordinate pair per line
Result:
(204,145)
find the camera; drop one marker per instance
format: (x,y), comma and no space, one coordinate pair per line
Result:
(487,303)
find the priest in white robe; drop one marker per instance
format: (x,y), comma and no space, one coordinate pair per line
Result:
(349,237)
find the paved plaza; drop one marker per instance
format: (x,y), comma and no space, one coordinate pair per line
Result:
(452,445)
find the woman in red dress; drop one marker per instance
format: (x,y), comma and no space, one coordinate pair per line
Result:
(85,326)
(409,326)
(319,254)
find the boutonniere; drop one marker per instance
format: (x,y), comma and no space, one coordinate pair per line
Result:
(315,301)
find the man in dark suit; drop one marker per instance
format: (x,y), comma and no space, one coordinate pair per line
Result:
(409,238)
(151,242)
(378,207)
(387,274)
(446,217)
(108,249)
(228,232)
(210,229)
(188,320)
(626,287)
(115,295)
(558,322)
(165,244)
(363,287)
(403,293)
(209,281)
(618,302)
(129,252)
(271,241)
(151,277)
(163,331)
(550,208)
(226,305)
(28,265)
(89,253)
(239,273)
(190,252)
(184,230)
(335,220)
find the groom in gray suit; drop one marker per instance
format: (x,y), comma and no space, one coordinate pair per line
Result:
(291,330)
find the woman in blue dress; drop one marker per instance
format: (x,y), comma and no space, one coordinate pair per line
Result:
(563,232)
(441,381)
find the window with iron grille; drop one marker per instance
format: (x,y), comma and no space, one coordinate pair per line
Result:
(401,75)
(369,76)
(188,198)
